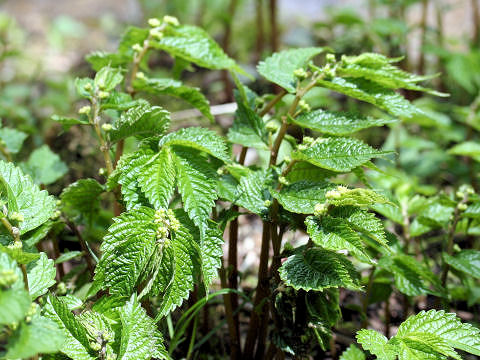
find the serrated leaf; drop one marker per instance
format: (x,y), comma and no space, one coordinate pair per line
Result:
(68,256)
(304,171)
(141,121)
(372,93)
(76,344)
(68,121)
(467,261)
(157,178)
(383,73)
(194,45)
(335,234)
(126,174)
(318,269)
(467,148)
(41,275)
(279,67)
(176,88)
(200,139)
(253,191)
(356,197)
(126,250)
(411,277)
(446,326)
(100,59)
(140,338)
(81,198)
(13,139)
(17,254)
(338,154)
(363,222)
(377,344)
(248,128)
(353,353)
(196,181)
(424,346)
(40,335)
(107,78)
(14,304)
(44,166)
(337,123)
(184,251)
(302,196)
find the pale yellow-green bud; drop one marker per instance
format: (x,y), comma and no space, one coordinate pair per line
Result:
(460,194)
(302,147)
(7,277)
(304,106)
(95,346)
(85,110)
(107,127)
(462,207)
(102,171)
(221,171)
(342,189)
(283,180)
(16,245)
(103,94)
(137,48)
(333,194)
(154,22)
(267,203)
(307,140)
(300,73)
(272,126)
(87,87)
(171,20)
(141,75)
(56,214)
(156,33)
(320,209)
(61,288)
(330,58)
(17,216)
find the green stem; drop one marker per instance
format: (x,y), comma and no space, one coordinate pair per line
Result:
(15,232)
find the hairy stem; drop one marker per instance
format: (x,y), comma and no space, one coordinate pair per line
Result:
(86,252)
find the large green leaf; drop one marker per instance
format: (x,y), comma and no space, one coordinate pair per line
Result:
(302,196)
(467,261)
(41,275)
(379,69)
(337,123)
(372,93)
(76,344)
(13,139)
(467,148)
(248,128)
(411,277)
(196,180)
(193,44)
(126,251)
(200,139)
(176,88)
(445,326)
(107,78)
(157,178)
(39,335)
(142,121)
(140,338)
(25,197)
(335,234)
(353,353)
(253,191)
(82,198)
(14,304)
(279,67)
(377,344)
(338,154)
(318,269)
(44,166)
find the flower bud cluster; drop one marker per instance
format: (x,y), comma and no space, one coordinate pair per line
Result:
(16,216)
(300,73)
(166,222)
(7,277)
(336,193)
(85,109)
(320,209)
(31,311)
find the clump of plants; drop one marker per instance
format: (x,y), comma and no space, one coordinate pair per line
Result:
(139,292)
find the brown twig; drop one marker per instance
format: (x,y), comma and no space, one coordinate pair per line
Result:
(86,253)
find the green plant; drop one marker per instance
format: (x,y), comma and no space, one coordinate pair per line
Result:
(172,194)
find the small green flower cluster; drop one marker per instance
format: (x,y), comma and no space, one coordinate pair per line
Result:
(166,222)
